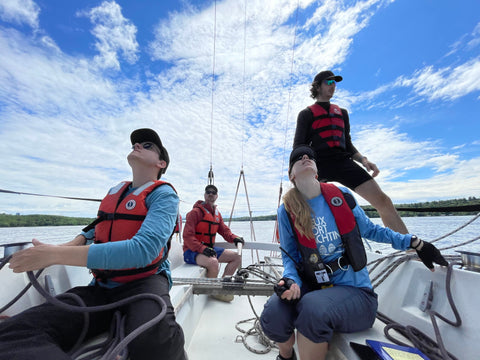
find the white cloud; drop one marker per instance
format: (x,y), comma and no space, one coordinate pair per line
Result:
(447,83)
(116,36)
(65,124)
(20,12)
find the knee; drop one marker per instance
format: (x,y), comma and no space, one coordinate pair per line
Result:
(383,201)
(211,264)
(237,259)
(276,320)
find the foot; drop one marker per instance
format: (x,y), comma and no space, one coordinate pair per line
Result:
(223,297)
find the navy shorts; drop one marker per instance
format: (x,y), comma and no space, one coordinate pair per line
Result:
(190,257)
(319,313)
(343,170)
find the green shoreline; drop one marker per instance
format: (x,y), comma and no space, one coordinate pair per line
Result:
(7,220)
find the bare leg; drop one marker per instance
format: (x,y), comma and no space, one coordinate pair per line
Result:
(308,350)
(233,261)
(371,192)
(210,263)
(286,348)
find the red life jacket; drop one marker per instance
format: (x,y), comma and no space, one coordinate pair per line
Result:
(178,226)
(328,127)
(341,205)
(119,219)
(207,228)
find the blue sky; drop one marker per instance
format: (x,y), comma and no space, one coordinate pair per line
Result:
(76,77)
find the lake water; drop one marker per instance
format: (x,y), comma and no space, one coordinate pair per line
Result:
(427,228)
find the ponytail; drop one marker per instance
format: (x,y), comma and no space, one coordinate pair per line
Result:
(300,210)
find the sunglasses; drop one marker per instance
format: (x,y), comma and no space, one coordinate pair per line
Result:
(147,146)
(211,192)
(300,157)
(329,82)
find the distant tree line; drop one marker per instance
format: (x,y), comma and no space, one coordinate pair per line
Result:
(438,208)
(443,207)
(470,206)
(41,220)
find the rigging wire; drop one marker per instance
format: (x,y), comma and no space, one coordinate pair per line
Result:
(242,174)
(275,237)
(290,89)
(210,172)
(54,196)
(244,76)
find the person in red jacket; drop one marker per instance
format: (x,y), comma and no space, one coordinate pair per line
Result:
(202,224)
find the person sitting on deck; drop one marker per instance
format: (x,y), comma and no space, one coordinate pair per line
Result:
(127,258)
(202,224)
(325,285)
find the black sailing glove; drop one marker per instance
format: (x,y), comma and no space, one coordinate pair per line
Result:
(209,252)
(429,254)
(279,290)
(238,240)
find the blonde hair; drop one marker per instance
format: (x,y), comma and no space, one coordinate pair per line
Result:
(300,210)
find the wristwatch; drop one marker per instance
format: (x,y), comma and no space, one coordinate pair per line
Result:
(415,242)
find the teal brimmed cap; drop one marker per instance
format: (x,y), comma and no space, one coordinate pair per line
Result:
(144,135)
(327,75)
(298,153)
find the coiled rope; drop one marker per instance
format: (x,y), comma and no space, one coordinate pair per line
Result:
(256,329)
(434,350)
(114,348)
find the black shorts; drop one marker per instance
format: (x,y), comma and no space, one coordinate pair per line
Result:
(343,170)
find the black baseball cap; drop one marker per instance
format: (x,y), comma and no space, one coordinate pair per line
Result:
(327,75)
(298,152)
(213,187)
(143,135)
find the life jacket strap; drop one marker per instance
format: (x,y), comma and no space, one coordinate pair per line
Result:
(102,216)
(340,263)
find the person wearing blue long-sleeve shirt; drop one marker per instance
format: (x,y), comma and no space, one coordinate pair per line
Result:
(162,203)
(126,250)
(325,285)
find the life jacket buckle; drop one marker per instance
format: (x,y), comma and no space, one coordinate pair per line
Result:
(340,265)
(330,270)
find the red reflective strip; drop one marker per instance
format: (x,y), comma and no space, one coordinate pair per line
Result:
(331,133)
(328,122)
(321,123)
(338,122)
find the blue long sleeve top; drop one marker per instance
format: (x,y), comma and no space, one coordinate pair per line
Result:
(329,242)
(145,245)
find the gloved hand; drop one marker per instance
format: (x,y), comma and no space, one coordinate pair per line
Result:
(280,289)
(209,252)
(238,240)
(429,254)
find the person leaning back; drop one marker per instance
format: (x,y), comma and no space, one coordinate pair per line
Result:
(127,257)
(325,286)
